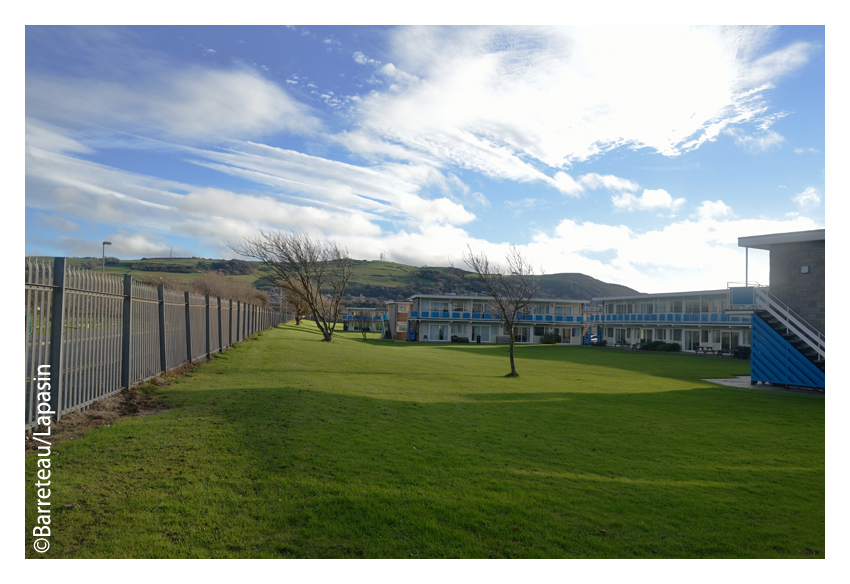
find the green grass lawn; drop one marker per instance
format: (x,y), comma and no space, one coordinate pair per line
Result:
(289,447)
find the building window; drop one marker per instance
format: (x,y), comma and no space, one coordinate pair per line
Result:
(401,327)
(609,332)
(677,334)
(703,337)
(479,307)
(716,337)
(563,311)
(402,307)
(457,306)
(620,334)
(661,335)
(745,338)
(521,334)
(459,329)
(541,309)
(539,331)
(481,331)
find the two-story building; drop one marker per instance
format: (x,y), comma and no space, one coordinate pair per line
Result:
(437,318)
(373,318)
(705,318)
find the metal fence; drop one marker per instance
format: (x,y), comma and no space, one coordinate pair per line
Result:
(100,333)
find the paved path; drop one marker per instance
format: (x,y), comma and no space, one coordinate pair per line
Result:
(744,381)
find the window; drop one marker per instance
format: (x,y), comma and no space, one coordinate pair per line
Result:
(609,331)
(576,332)
(646,308)
(521,334)
(676,305)
(677,334)
(457,306)
(661,334)
(539,331)
(459,329)
(439,306)
(745,337)
(403,307)
(479,307)
(563,311)
(692,307)
(716,337)
(609,308)
(703,337)
(481,331)
(541,309)
(620,334)
(401,327)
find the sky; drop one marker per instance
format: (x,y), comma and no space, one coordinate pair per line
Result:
(637,155)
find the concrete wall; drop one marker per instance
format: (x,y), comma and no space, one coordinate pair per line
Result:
(805,294)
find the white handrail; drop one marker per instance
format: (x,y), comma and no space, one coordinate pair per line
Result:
(792,321)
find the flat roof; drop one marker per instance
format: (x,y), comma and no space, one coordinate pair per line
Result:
(483,297)
(663,295)
(765,241)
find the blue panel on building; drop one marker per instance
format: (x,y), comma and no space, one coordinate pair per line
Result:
(774,360)
(559,318)
(465,315)
(654,317)
(548,319)
(538,317)
(455,315)
(724,318)
(704,318)
(714,317)
(414,313)
(476,315)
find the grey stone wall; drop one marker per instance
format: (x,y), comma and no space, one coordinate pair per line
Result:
(805,294)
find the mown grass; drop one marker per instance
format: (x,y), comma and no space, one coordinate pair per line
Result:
(290,447)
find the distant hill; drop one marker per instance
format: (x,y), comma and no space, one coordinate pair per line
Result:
(372,279)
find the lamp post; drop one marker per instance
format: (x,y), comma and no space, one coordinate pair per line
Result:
(103,260)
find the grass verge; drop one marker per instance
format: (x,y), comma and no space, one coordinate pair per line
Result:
(291,447)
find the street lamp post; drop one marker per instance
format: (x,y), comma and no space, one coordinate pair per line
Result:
(103,260)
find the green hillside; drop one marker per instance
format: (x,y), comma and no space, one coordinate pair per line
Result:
(372,279)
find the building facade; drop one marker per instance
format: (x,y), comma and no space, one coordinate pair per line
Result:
(398,316)
(699,319)
(438,318)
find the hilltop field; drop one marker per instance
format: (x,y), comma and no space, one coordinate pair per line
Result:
(372,279)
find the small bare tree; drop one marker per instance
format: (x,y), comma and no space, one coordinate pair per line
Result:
(511,292)
(296,302)
(362,320)
(304,268)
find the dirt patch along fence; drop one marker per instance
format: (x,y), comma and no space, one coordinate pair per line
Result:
(100,333)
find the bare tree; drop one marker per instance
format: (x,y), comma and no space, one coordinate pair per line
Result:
(296,302)
(511,292)
(362,320)
(304,268)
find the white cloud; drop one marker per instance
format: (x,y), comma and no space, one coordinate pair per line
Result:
(596,181)
(805,150)
(808,197)
(714,210)
(759,143)
(194,104)
(650,199)
(362,59)
(504,101)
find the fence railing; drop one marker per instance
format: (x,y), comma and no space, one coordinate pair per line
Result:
(100,333)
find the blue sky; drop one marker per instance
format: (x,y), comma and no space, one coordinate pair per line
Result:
(636,155)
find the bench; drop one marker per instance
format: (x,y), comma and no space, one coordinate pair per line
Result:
(707,351)
(623,344)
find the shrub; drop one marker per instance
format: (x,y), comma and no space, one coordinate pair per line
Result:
(457,339)
(550,339)
(673,347)
(602,343)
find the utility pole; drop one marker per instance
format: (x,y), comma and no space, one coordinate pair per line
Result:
(103,257)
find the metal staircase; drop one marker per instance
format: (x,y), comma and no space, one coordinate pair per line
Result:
(786,350)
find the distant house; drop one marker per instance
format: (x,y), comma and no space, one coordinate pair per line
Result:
(377,318)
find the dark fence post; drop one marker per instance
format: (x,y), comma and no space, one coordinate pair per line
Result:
(188,329)
(57,327)
(238,318)
(220,336)
(163,355)
(207,322)
(126,331)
